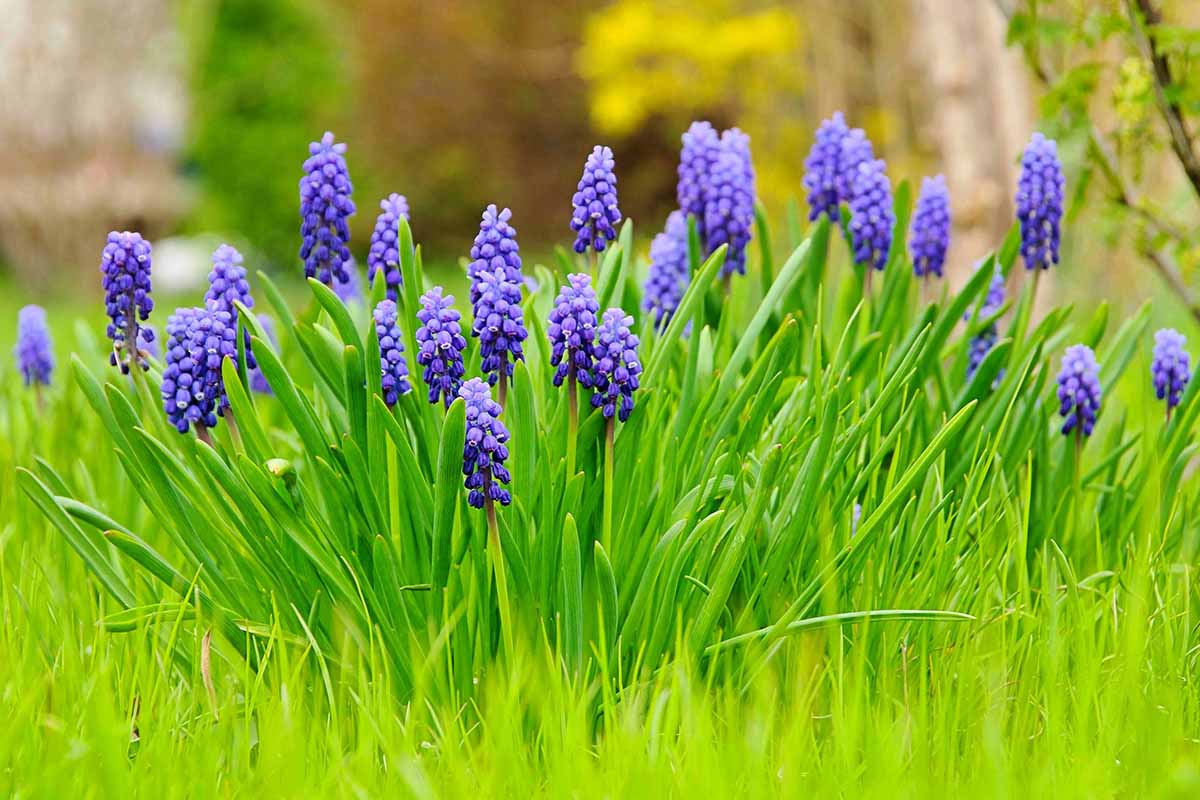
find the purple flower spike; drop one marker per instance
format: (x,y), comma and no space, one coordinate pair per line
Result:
(822,169)
(615,376)
(668,278)
(35,355)
(258,381)
(1079,390)
(125,264)
(1040,202)
(325,204)
(495,248)
(701,149)
(227,285)
(393,369)
(193,391)
(982,343)
(385,244)
(729,202)
(485,449)
(572,330)
(1171,369)
(595,213)
(440,345)
(871,215)
(499,323)
(929,234)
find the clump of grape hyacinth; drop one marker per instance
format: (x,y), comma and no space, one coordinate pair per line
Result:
(1079,390)
(485,449)
(572,330)
(258,381)
(227,285)
(499,323)
(701,149)
(440,345)
(125,264)
(384,255)
(729,201)
(871,214)
(668,276)
(1171,368)
(325,204)
(1040,202)
(193,391)
(985,340)
(595,213)
(35,356)
(495,248)
(615,375)
(392,366)
(929,234)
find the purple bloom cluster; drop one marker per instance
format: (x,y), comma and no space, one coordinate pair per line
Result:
(258,381)
(982,343)
(125,264)
(729,201)
(595,213)
(929,234)
(193,391)
(668,276)
(495,248)
(499,323)
(832,164)
(35,355)
(1040,202)
(484,451)
(615,375)
(392,367)
(1171,368)
(227,285)
(871,214)
(325,204)
(441,343)
(384,255)
(572,330)
(1079,390)
(701,149)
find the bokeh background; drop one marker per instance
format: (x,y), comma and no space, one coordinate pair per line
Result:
(189,119)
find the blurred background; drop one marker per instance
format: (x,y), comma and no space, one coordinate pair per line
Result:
(189,119)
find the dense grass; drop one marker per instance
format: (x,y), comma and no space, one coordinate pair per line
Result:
(1009,614)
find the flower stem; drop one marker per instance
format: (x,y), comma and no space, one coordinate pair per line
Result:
(203,435)
(497,556)
(606,532)
(572,421)
(503,393)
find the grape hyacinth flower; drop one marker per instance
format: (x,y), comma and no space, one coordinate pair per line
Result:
(729,201)
(1079,390)
(440,345)
(668,278)
(148,341)
(384,255)
(393,369)
(615,375)
(701,149)
(227,285)
(35,355)
(929,234)
(595,213)
(193,391)
(350,290)
(982,343)
(1039,202)
(822,169)
(485,450)
(258,381)
(1171,368)
(325,204)
(499,325)
(871,215)
(125,264)
(495,247)
(572,330)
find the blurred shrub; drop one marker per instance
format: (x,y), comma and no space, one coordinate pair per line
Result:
(265,83)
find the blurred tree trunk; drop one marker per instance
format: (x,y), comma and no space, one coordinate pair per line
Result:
(980,108)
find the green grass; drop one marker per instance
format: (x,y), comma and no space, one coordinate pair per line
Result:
(1005,618)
